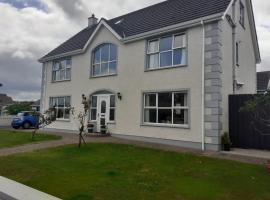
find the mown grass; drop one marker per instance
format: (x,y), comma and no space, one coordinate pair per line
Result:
(9,138)
(115,171)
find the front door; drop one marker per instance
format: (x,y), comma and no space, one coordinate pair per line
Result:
(102,111)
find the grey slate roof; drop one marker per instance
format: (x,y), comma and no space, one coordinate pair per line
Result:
(154,17)
(263,79)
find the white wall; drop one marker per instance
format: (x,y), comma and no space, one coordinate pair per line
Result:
(131,81)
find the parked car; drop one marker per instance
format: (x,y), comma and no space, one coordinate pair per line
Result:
(25,119)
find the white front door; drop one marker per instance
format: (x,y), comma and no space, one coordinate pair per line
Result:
(102,110)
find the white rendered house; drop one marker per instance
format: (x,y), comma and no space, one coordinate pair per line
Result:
(160,74)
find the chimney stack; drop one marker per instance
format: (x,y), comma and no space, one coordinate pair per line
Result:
(92,20)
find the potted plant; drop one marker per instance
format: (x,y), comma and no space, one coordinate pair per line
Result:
(103,129)
(268,166)
(90,128)
(226,142)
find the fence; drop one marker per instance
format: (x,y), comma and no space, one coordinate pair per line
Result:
(5,121)
(246,131)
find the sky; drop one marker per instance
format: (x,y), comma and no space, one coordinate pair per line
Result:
(31,28)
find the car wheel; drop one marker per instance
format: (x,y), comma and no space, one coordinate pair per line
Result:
(26,125)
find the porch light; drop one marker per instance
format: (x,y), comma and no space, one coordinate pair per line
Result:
(119,95)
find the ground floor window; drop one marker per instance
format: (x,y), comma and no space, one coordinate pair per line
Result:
(166,108)
(62,107)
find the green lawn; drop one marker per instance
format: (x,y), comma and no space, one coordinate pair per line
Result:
(114,171)
(15,138)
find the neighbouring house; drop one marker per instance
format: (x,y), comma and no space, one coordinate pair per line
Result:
(263,81)
(4,102)
(160,74)
(36,106)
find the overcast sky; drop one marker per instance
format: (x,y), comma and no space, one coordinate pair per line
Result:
(31,28)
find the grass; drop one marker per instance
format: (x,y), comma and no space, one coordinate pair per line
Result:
(15,138)
(114,171)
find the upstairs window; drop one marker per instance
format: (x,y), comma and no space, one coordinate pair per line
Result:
(167,51)
(61,70)
(104,60)
(242,14)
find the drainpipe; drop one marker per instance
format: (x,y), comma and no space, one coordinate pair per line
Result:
(203,71)
(233,47)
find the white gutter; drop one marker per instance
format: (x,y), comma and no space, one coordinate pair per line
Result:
(203,83)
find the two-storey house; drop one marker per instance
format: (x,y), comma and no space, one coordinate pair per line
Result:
(160,74)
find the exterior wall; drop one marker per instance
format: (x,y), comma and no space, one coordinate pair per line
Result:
(246,71)
(131,81)
(213,85)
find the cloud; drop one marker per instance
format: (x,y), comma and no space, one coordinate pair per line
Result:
(31,28)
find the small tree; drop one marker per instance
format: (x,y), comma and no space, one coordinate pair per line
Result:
(15,108)
(80,118)
(259,109)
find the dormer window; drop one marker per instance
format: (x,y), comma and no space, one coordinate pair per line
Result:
(61,70)
(104,60)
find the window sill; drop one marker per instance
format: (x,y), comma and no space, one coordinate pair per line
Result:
(100,76)
(61,81)
(166,126)
(163,68)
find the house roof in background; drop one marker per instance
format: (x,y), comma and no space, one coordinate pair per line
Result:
(263,79)
(161,15)
(5,100)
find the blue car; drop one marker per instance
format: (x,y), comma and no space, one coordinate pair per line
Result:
(24,119)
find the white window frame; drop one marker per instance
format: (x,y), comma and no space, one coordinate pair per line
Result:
(64,69)
(57,107)
(172,108)
(185,47)
(102,62)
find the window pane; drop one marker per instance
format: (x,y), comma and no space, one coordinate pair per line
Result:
(57,75)
(94,102)
(103,107)
(97,56)
(105,53)
(112,111)
(61,102)
(180,116)
(62,75)
(113,52)
(67,102)
(150,100)
(112,101)
(165,100)
(68,74)
(104,69)
(179,41)
(153,61)
(112,67)
(180,99)
(54,102)
(54,76)
(56,66)
(165,43)
(63,64)
(165,116)
(150,115)
(153,46)
(179,57)
(68,63)
(66,116)
(96,70)
(93,114)
(60,113)
(166,59)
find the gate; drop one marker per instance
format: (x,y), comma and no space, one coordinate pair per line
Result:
(245,131)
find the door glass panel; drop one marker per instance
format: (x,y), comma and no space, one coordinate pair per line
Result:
(103,107)
(102,121)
